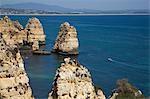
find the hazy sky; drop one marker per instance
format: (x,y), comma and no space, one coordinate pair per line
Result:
(90,4)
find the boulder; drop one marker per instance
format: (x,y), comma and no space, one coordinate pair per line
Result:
(35,31)
(73,81)
(67,40)
(14,82)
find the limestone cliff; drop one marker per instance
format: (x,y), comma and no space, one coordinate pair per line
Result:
(12,31)
(73,81)
(66,41)
(14,83)
(35,31)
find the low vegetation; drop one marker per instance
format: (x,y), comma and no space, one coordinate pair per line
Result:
(126,91)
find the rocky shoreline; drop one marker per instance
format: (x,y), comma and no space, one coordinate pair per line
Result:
(72,80)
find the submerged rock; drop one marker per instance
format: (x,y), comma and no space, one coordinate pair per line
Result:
(66,41)
(73,81)
(35,31)
(125,90)
(14,82)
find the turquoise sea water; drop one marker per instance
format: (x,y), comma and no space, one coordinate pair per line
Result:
(125,39)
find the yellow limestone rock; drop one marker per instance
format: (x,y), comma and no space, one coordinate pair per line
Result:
(35,46)
(66,41)
(35,31)
(14,82)
(12,31)
(73,81)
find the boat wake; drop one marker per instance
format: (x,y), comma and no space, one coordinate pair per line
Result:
(133,66)
(119,62)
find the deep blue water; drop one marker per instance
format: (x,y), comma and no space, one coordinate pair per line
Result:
(125,39)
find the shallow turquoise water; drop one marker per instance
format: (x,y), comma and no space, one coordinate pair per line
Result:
(125,39)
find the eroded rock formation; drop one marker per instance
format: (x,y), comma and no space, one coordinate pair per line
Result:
(125,90)
(35,31)
(73,81)
(14,83)
(12,31)
(35,46)
(66,41)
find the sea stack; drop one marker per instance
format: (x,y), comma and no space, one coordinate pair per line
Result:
(67,40)
(125,90)
(35,31)
(14,82)
(73,81)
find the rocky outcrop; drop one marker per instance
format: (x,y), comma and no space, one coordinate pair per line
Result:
(35,46)
(35,31)
(66,41)
(12,31)
(18,25)
(14,83)
(73,81)
(125,90)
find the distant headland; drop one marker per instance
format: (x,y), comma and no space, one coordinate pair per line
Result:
(43,9)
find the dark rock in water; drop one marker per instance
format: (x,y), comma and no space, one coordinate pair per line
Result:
(42,43)
(125,90)
(24,47)
(66,53)
(66,41)
(73,81)
(41,52)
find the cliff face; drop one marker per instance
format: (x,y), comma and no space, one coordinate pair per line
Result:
(73,81)
(35,31)
(14,83)
(12,31)
(66,41)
